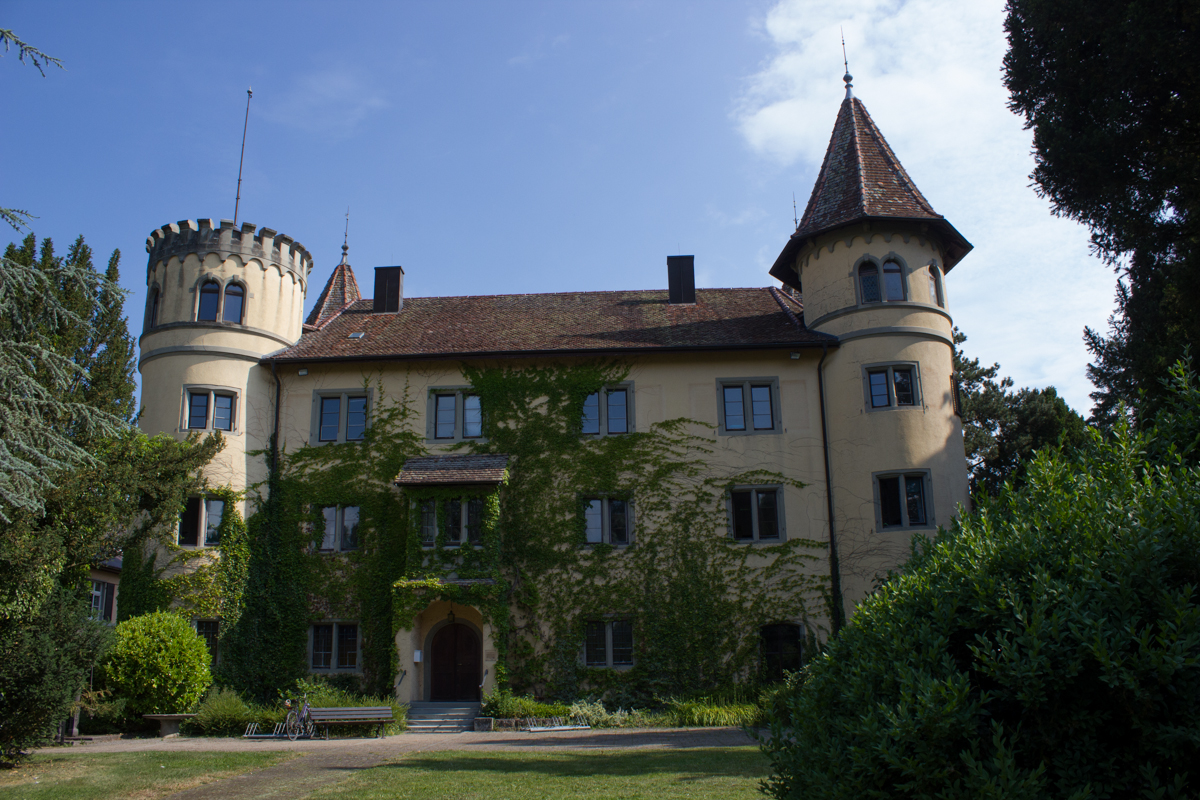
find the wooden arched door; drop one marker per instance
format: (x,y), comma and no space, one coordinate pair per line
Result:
(454,665)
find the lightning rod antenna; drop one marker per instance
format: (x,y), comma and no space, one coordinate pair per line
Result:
(795,218)
(238,200)
(847,77)
(346,238)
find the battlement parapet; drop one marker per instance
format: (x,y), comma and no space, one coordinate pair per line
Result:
(178,239)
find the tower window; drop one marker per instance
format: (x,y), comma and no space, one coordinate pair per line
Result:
(234,296)
(903,500)
(154,295)
(210,299)
(198,410)
(935,287)
(868,276)
(892,386)
(208,408)
(893,281)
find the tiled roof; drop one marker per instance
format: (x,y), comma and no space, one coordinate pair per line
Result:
(598,322)
(340,291)
(452,470)
(861,179)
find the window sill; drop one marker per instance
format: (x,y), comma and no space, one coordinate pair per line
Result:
(894,528)
(779,540)
(769,432)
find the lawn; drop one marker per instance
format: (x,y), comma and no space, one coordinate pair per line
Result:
(711,773)
(79,775)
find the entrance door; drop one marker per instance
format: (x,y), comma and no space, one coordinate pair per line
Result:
(455,663)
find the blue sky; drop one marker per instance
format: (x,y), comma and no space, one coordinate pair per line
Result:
(539,146)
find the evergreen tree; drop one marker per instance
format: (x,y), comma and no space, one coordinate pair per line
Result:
(1111,90)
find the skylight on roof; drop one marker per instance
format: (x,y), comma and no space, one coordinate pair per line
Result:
(357,335)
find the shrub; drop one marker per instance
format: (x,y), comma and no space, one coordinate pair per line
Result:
(503,704)
(223,713)
(1046,646)
(158,664)
(703,712)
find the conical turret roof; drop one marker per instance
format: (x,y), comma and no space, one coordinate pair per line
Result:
(861,179)
(339,292)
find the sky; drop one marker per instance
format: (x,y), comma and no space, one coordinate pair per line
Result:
(496,148)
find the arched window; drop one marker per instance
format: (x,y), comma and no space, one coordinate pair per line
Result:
(782,649)
(868,276)
(210,297)
(893,281)
(935,287)
(153,309)
(234,295)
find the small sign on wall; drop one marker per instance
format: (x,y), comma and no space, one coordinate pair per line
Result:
(416,656)
(489,655)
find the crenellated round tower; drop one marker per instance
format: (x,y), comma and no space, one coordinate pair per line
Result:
(219,298)
(869,258)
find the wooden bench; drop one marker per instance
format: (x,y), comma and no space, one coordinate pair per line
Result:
(370,715)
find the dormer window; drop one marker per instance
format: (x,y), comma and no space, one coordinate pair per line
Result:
(234,295)
(210,299)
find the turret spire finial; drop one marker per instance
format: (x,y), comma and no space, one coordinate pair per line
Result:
(346,237)
(846,63)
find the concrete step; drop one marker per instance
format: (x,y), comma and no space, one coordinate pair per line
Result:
(427,717)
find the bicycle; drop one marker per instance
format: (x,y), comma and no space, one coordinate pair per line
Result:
(299,723)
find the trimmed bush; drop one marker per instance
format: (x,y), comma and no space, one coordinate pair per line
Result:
(158,664)
(1048,645)
(223,713)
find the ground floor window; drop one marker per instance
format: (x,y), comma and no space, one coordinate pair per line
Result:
(782,650)
(608,644)
(103,593)
(334,645)
(210,632)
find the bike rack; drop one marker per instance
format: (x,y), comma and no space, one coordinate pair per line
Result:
(280,732)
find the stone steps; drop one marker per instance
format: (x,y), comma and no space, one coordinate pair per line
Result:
(442,717)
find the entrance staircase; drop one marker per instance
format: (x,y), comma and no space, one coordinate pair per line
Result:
(442,717)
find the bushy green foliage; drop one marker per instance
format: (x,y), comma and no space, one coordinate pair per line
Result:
(323,693)
(503,704)
(703,712)
(158,663)
(1048,645)
(223,713)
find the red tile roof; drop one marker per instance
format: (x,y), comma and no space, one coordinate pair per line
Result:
(862,179)
(453,470)
(575,322)
(339,292)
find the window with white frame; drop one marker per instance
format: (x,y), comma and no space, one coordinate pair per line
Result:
(454,415)
(608,411)
(608,643)
(103,593)
(903,499)
(341,528)
(892,386)
(210,631)
(339,416)
(748,406)
(210,408)
(756,513)
(334,646)
(201,514)
(607,520)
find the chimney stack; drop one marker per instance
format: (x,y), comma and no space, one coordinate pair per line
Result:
(389,289)
(681,279)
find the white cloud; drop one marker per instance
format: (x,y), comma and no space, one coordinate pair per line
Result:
(331,102)
(929,72)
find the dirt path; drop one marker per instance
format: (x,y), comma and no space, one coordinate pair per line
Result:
(326,762)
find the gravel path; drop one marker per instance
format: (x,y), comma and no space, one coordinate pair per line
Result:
(325,762)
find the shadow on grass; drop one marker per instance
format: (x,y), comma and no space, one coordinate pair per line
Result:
(692,765)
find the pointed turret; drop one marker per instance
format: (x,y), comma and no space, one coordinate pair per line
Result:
(862,180)
(339,292)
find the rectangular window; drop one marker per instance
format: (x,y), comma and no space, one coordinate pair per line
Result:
(608,644)
(608,411)
(748,406)
(892,386)
(347,647)
(198,410)
(428,523)
(103,593)
(472,417)
(210,632)
(903,500)
(607,520)
(444,416)
(213,511)
(452,516)
(341,528)
(460,517)
(189,522)
(755,514)
(356,418)
(322,646)
(331,418)
(223,412)
(474,526)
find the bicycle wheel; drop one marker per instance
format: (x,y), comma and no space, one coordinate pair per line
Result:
(293,726)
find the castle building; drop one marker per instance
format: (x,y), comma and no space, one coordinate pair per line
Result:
(820,412)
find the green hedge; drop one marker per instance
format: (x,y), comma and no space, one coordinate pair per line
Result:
(1048,645)
(157,664)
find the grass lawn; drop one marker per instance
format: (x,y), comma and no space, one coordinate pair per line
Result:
(80,775)
(716,773)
